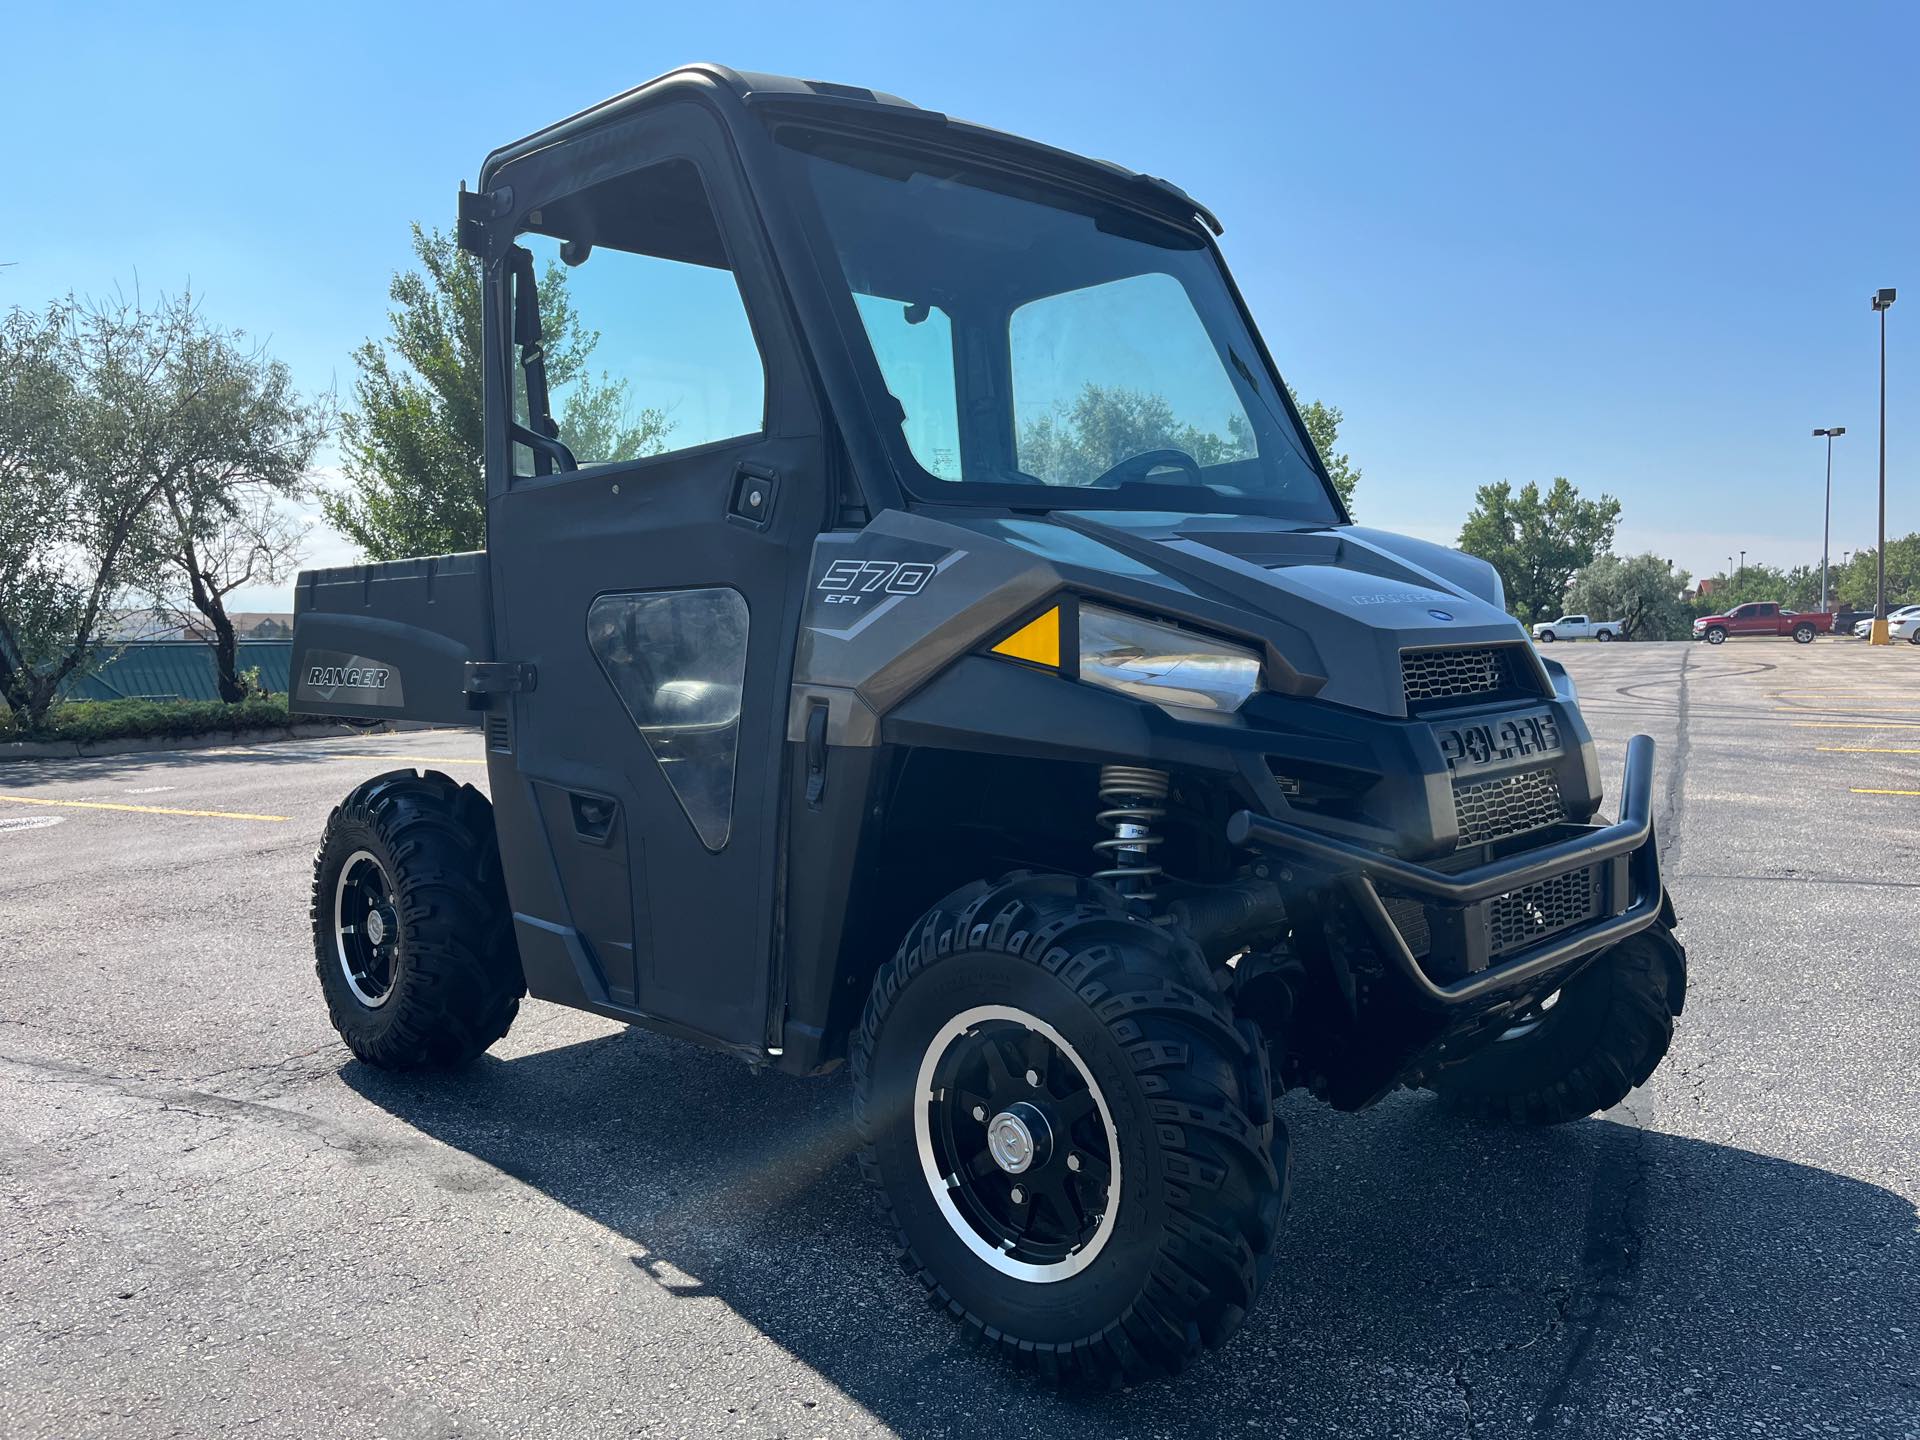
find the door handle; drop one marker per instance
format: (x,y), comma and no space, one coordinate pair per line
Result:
(593,816)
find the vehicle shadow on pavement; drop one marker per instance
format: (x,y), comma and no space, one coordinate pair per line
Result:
(1434,1276)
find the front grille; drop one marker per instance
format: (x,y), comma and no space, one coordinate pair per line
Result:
(1438,674)
(1410,919)
(1506,805)
(1526,917)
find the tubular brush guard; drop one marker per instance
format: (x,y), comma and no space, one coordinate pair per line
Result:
(1630,892)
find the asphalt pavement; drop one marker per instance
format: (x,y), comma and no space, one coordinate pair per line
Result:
(213,1222)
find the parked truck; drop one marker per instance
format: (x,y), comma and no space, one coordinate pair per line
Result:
(1762,617)
(1578,627)
(1080,787)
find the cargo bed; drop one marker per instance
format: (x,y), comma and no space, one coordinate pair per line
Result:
(390,640)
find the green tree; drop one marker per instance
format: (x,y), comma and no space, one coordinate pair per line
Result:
(218,429)
(1537,541)
(76,496)
(1643,591)
(413,442)
(1323,427)
(1751,582)
(1856,584)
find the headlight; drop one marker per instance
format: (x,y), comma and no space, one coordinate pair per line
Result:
(1163,664)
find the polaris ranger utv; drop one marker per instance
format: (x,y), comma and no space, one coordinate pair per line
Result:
(969,673)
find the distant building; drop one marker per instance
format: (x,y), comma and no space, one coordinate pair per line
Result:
(153,624)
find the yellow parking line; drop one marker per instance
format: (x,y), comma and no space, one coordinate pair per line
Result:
(142,809)
(1852,709)
(1858,791)
(1870,749)
(410,759)
(1853,724)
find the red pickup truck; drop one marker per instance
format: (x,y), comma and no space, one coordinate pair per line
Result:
(1762,617)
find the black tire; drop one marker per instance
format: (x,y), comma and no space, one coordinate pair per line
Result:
(1546,637)
(1603,635)
(1200,1160)
(1605,1035)
(1803,634)
(450,983)
(1716,635)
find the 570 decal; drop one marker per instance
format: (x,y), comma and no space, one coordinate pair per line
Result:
(848,582)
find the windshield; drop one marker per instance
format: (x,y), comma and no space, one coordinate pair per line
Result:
(1035,344)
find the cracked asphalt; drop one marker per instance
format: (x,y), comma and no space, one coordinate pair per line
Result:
(216,1223)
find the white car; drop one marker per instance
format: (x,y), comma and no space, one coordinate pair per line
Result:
(1577,627)
(1905,613)
(1907,627)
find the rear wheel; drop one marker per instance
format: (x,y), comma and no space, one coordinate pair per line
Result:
(1071,1136)
(1803,634)
(412,940)
(1716,635)
(1603,635)
(1586,1047)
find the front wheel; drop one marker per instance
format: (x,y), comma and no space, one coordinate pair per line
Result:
(1546,637)
(1072,1139)
(412,940)
(1603,635)
(1716,635)
(1585,1047)
(1803,634)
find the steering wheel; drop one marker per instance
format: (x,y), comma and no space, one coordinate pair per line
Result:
(1137,467)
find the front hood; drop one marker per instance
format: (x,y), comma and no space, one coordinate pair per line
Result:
(1334,606)
(1331,607)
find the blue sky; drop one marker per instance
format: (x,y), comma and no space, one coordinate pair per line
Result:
(1629,244)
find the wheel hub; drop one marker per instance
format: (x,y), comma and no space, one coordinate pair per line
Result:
(366,929)
(1017,1143)
(1019,1138)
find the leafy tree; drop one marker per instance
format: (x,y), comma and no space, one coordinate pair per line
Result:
(221,433)
(1537,541)
(1751,582)
(76,504)
(1643,591)
(1857,582)
(415,484)
(1323,426)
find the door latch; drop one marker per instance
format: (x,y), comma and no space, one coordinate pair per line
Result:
(487,678)
(755,488)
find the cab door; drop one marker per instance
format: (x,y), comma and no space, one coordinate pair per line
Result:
(650,518)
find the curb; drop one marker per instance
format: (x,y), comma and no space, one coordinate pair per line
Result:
(81,750)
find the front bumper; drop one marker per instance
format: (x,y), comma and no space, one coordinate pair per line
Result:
(1621,860)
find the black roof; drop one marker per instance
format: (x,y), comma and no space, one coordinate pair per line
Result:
(872,110)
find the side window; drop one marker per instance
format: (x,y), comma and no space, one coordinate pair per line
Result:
(678,661)
(644,337)
(1112,371)
(914,345)
(1765,612)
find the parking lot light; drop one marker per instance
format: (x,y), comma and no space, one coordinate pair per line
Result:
(1882,302)
(1826,524)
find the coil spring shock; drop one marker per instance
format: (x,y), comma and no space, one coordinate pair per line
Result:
(1135,797)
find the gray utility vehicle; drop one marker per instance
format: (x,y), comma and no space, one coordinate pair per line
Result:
(963,668)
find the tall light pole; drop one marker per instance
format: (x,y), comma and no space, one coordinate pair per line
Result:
(1743,564)
(1826,526)
(1882,302)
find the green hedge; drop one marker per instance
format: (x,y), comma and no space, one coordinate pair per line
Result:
(84,721)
